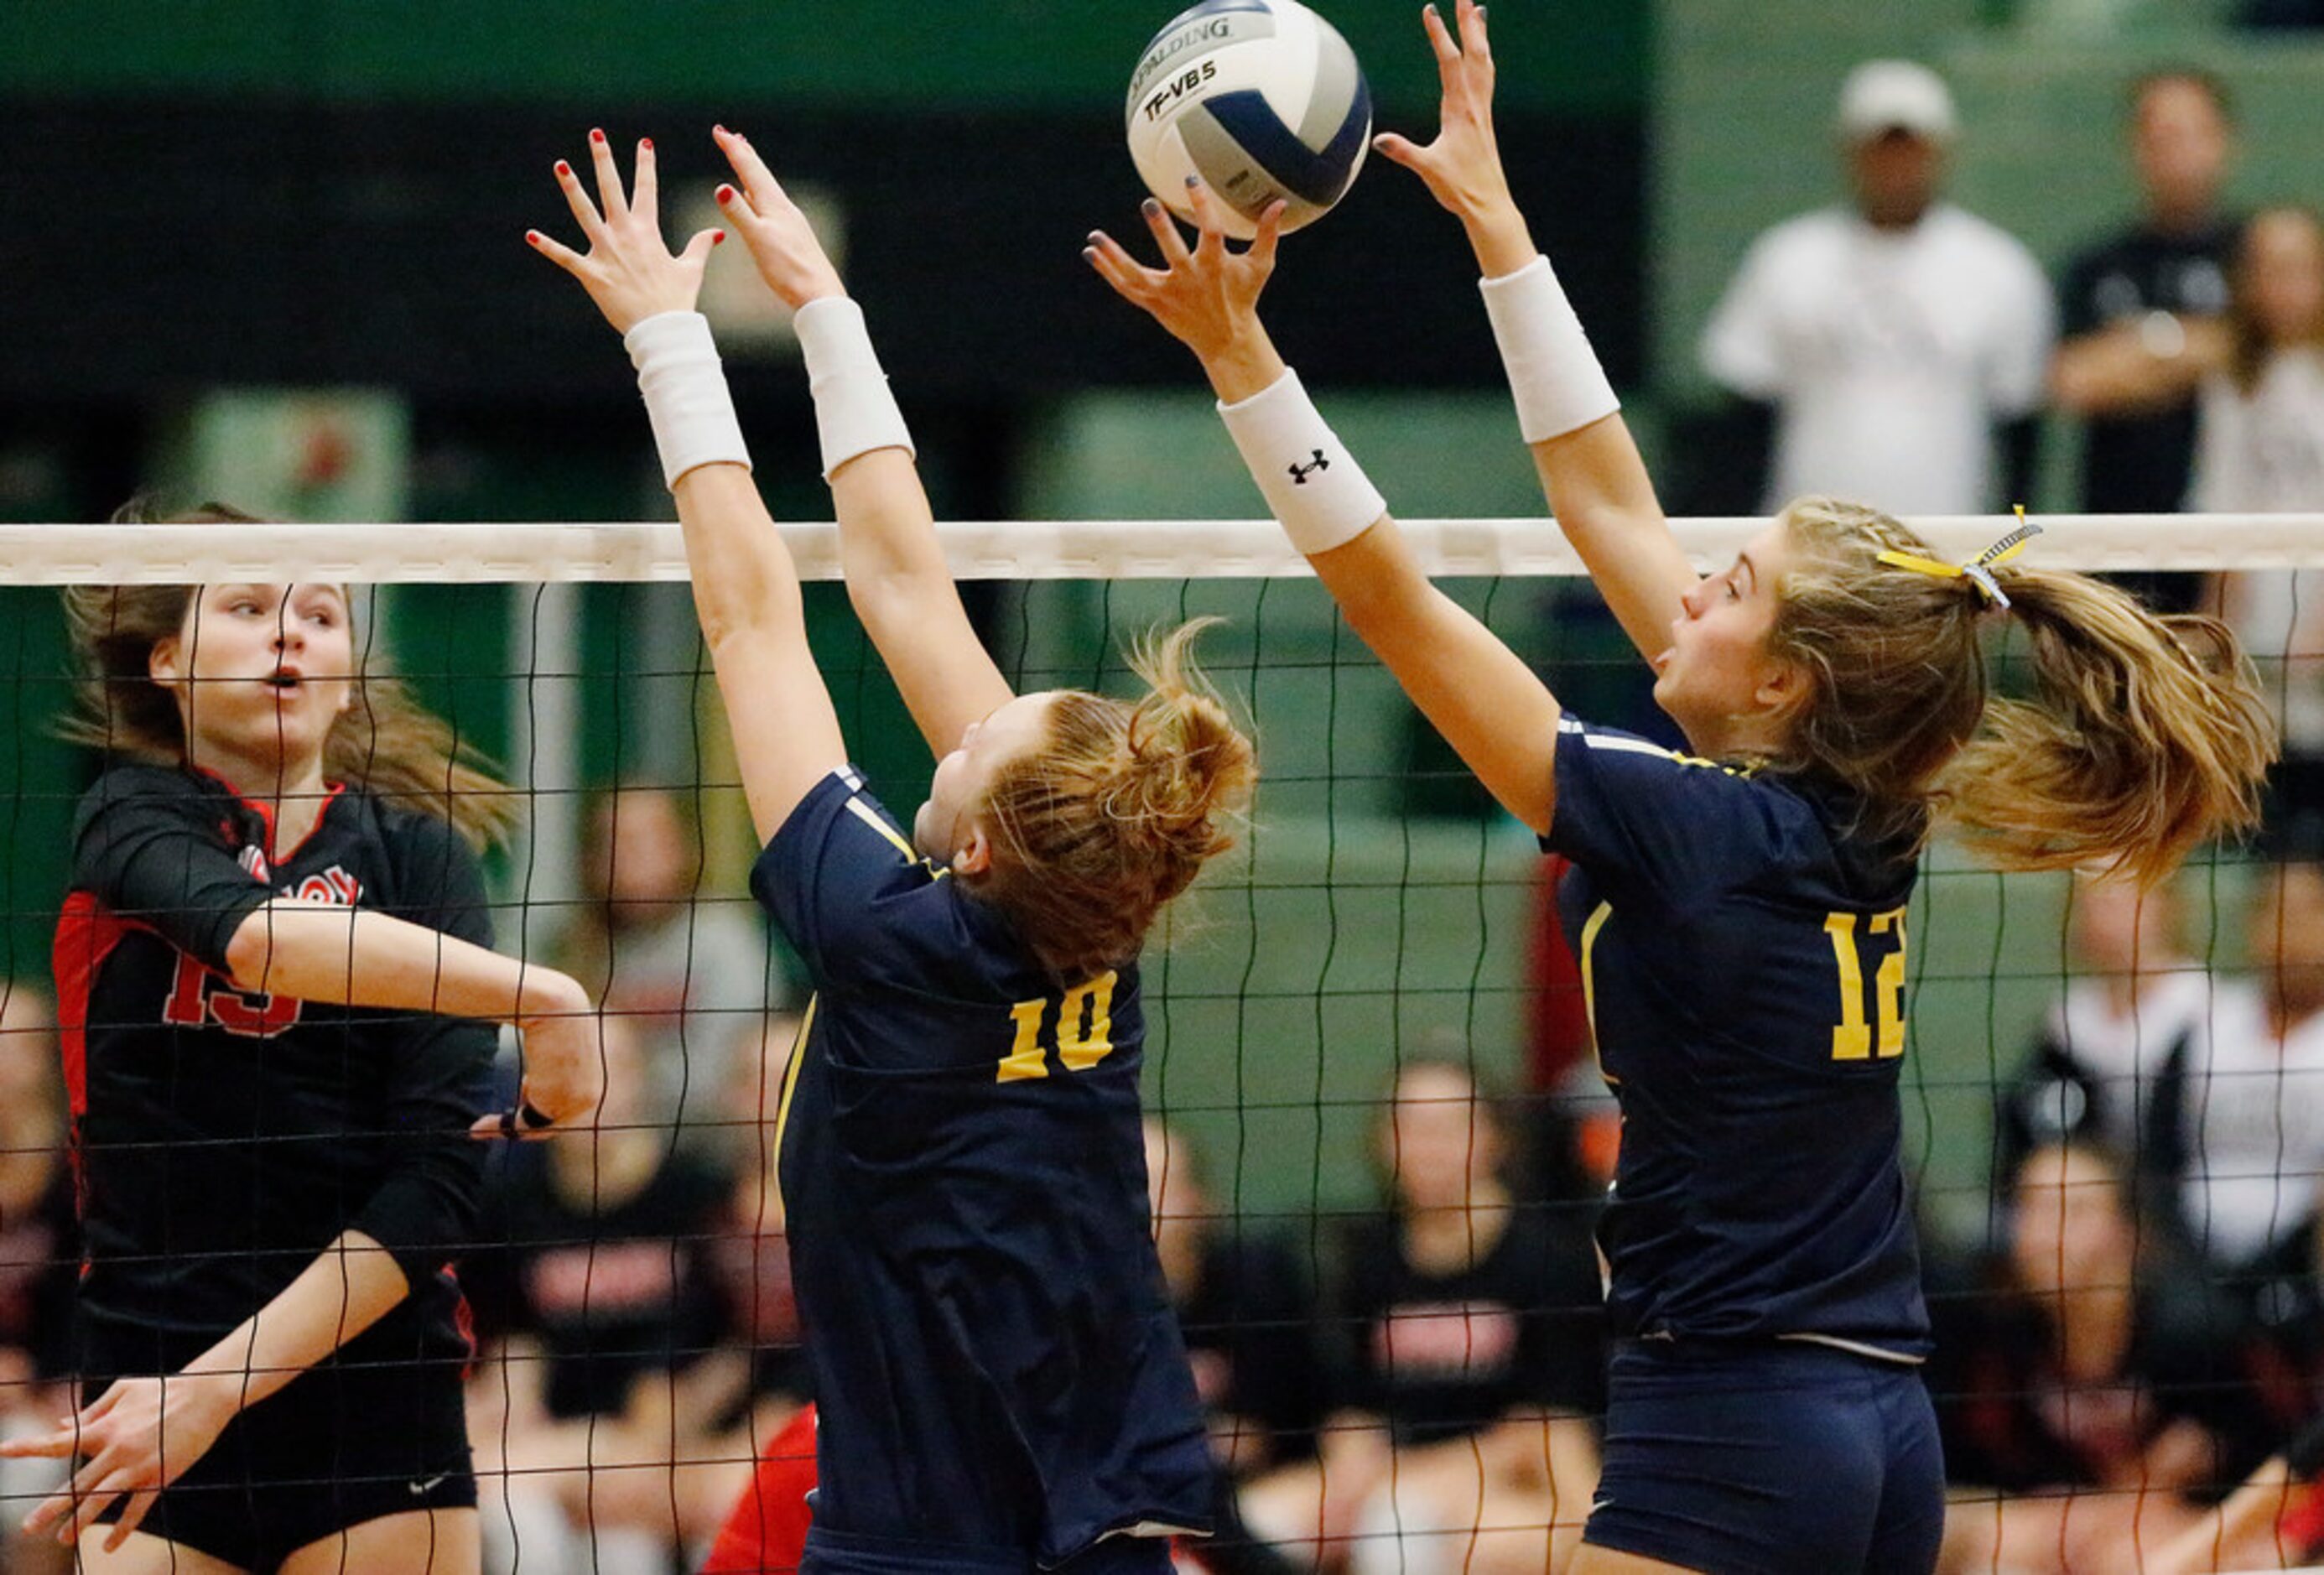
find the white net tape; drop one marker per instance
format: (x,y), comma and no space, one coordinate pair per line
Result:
(1112,549)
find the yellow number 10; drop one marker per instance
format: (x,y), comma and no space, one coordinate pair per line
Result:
(1852,1040)
(1079,1045)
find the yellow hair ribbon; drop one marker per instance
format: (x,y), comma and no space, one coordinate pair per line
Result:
(1979,570)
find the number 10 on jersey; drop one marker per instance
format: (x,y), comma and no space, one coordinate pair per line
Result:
(1083,1035)
(1851,1036)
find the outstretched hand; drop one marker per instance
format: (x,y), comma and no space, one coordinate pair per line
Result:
(1206,296)
(781,242)
(1461,168)
(628,271)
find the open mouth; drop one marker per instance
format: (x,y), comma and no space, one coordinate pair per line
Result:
(284,680)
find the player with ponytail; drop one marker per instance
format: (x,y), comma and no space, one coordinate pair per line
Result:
(1000,1382)
(1740,910)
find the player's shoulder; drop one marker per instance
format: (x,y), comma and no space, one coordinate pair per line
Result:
(1622,749)
(141,785)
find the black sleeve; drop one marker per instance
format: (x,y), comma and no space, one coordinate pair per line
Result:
(2017,450)
(436,1073)
(148,845)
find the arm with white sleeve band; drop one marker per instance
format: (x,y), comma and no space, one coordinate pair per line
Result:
(1590,471)
(1312,484)
(897,578)
(856,412)
(685,390)
(1554,375)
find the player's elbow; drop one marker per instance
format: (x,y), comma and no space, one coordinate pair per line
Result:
(250,951)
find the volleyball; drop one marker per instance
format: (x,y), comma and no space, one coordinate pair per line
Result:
(1261,98)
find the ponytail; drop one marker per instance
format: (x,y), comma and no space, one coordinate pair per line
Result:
(1116,811)
(2144,737)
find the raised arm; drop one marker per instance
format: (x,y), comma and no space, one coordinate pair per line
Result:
(746,588)
(1497,716)
(1590,471)
(897,577)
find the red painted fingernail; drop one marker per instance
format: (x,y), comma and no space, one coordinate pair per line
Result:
(647,143)
(725,194)
(595,136)
(717,236)
(563,167)
(532,237)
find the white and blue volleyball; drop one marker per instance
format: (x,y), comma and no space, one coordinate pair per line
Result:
(1261,98)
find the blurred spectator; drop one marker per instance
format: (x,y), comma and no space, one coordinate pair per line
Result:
(2101,1398)
(2117,1048)
(1457,1305)
(1895,349)
(595,1245)
(2258,1126)
(693,974)
(2261,450)
(593,1431)
(39,1263)
(1245,1306)
(1477,1350)
(2144,312)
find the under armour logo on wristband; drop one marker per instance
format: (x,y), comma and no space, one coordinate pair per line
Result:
(1300,472)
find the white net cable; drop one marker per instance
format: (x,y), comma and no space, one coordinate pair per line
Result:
(1109,549)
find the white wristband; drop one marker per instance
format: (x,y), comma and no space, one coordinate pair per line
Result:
(687,400)
(1311,482)
(854,409)
(1553,371)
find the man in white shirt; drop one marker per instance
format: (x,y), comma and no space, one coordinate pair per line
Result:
(1897,347)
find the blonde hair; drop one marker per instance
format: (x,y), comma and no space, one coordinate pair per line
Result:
(1116,811)
(386,743)
(2142,737)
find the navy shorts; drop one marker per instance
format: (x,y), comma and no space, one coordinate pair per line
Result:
(334,1448)
(1790,1459)
(832,1552)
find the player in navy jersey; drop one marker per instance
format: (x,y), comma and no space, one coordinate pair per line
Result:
(999,1379)
(1740,910)
(267,969)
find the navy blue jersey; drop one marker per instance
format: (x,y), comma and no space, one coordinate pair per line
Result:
(1742,949)
(224,1137)
(994,1358)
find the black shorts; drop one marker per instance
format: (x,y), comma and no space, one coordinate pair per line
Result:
(334,1448)
(1790,1459)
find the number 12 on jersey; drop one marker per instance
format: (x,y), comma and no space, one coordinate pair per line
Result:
(1084,1038)
(1851,1036)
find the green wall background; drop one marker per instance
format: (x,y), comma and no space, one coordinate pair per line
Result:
(1588,55)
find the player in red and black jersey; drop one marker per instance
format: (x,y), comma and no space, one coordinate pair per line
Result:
(275,979)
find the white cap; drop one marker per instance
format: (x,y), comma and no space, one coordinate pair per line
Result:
(1885,95)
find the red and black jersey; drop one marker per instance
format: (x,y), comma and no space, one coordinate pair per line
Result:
(224,1137)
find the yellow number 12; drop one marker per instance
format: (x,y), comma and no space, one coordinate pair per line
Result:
(1851,1039)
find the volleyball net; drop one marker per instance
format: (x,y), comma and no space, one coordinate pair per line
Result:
(1379,954)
